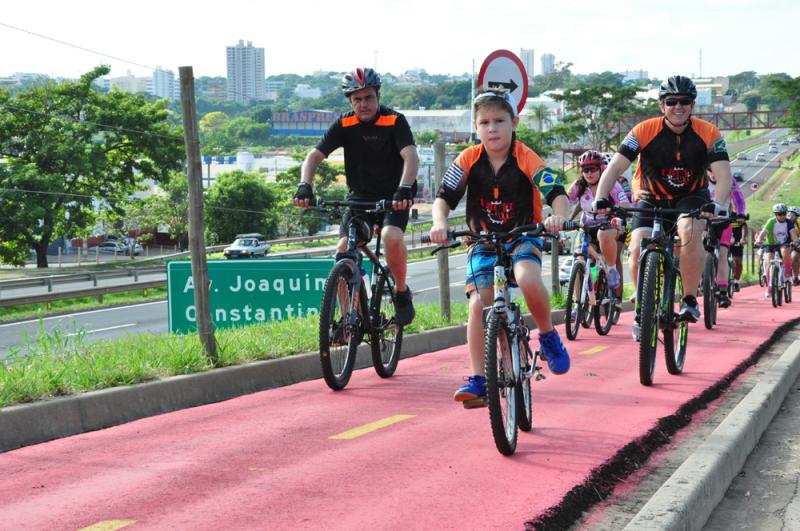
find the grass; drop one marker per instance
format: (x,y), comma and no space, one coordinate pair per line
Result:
(787,180)
(739,135)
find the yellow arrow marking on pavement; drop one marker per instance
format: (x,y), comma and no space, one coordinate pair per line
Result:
(594,350)
(372,426)
(108,525)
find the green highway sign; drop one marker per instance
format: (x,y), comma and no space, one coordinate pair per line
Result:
(247,292)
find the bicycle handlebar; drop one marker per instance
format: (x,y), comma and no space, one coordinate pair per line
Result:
(492,237)
(372,207)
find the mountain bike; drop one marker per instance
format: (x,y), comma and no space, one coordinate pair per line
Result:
(779,287)
(509,361)
(353,306)
(709,286)
(588,296)
(660,291)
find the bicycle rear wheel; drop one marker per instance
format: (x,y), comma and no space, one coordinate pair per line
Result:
(524,396)
(386,338)
(710,292)
(501,388)
(573,304)
(340,326)
(787,291)
(775,288)
(604,310)
(676,333)
(651,293)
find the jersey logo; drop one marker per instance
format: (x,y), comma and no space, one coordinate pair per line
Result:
(720,146)
(631,142)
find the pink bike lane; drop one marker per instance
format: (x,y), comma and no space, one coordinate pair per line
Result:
(382,454)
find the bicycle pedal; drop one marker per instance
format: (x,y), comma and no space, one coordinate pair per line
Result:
(538,375)
(474,403)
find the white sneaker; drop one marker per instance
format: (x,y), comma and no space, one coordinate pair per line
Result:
(636,331)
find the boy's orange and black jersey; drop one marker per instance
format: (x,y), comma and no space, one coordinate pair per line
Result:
(672,165)
(503,201)
(372,162)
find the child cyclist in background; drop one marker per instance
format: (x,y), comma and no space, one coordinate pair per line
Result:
(725,235)
(581,194)
(503,180)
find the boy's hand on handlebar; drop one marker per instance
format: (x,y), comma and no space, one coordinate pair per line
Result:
(553,224)
(438,234)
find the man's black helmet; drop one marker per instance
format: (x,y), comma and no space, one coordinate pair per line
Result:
(675,85)
(360,78)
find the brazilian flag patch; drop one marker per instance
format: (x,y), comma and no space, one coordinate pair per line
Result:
(720,146)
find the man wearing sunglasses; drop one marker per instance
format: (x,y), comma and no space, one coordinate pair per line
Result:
(674,151)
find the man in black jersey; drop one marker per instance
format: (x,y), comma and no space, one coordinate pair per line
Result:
(380,161)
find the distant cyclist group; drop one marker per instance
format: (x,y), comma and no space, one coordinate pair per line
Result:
(682,218)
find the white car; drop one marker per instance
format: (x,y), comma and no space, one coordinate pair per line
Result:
(774,149)
(115,247)
(760,157)
(246,246)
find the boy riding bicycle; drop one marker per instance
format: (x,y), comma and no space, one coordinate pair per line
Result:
(779,231)
(502,179)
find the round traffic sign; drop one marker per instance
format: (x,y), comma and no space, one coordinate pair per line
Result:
(754,186)
(503,70)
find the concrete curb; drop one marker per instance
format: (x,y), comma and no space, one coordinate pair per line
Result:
(27,424)
(690,495)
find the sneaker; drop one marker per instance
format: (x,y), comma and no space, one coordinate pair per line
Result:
(736,286)
(689,311)
(636,329)
(554,352)
(723,300)
(404,310)
(767,294)
(613,279)
(474,389)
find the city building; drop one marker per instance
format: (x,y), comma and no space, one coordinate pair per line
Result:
(217,89)
(272,89)
(164,85)
(127,83)
(526,56)
(305,123)
(548,63)
(245,72)
(631,76)
(307,91)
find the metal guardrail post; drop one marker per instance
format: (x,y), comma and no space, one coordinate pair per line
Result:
(442,258)
(49,282)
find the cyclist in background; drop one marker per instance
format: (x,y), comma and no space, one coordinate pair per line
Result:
(740,233)
(380,162)
(674,151)
(582,194)
(793,215)
(725,236)
(504,181)
(779,231)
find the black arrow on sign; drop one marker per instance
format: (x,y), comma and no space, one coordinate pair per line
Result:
(510,86)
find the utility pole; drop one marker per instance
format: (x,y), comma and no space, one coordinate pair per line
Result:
(197,244)
(442,257)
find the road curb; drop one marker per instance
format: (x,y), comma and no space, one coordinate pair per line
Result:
(690,495)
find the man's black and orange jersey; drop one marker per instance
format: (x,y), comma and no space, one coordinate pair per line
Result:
(503,201)
(672,165)
(372,162)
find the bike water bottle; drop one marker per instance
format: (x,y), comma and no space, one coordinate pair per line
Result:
(366,281)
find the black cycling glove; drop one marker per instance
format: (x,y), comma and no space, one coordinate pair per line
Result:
(602,203)
(403,193)
(715,208)
(304,191)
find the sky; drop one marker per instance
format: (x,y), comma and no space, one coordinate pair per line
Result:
(441,37)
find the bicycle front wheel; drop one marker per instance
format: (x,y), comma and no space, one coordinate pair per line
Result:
(676,332)
(386,338)
(501,385)
(573,313)
(604,310)
(650,292)
(787,291)
(340,326)
(775,287)
(709,292)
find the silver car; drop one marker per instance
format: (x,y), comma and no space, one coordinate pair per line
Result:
(246,247)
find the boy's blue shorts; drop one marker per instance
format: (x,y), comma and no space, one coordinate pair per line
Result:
(481,258)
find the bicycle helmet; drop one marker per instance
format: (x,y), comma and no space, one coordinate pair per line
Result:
(779,208)
(591,157)
(794,210)
(606,159)
(360,78)
(676,85)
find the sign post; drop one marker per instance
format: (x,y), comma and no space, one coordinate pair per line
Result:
(503,70)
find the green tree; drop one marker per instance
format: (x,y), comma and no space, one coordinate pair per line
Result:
(67,145)
(426,138)
(541,143)
(214,122)
(308,221)
(247,132)
(787,91)
(240,202)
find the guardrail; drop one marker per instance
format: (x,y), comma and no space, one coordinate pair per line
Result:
(93,292)
(93,276)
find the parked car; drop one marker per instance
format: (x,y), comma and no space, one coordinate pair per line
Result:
(247,246)
(738,175)
(565,270)
(760,157)
(741,156)
(116,247)
(774,149)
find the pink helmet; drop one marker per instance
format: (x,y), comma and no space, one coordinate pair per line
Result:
(591,157)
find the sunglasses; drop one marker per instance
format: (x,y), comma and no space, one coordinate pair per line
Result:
(780,214)
(672,102)
(591,168)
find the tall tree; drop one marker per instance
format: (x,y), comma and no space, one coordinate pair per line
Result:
(240,202)
(69,147)
(787,92)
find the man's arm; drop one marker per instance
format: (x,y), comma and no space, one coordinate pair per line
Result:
(305,188)
(722,172)
(440,211)
(618,165)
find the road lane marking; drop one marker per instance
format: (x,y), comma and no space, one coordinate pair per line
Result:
(594,350)
(452,285)
(372,426)
(100,329)
(108,525)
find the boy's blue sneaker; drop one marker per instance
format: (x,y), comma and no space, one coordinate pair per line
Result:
(474,389)
(613,279)
(554,352)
